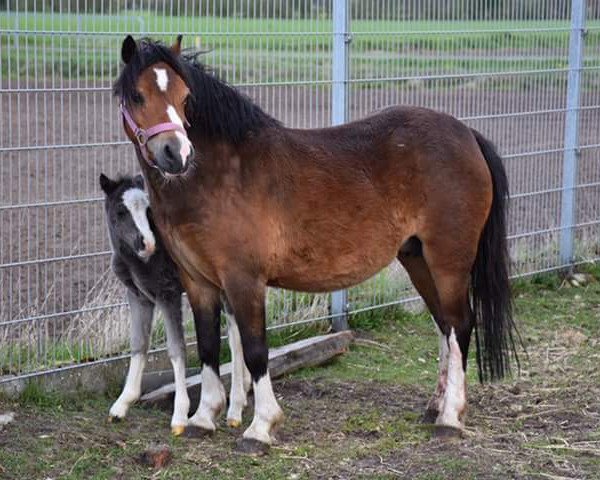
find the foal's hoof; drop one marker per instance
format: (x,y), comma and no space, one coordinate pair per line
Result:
(234,423)
(196,432)
(177,430)
(114,419)
(250,446)
(446,432)
(429,416)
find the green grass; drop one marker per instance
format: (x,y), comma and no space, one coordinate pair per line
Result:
(289,50)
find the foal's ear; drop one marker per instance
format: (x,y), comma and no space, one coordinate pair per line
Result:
(107,185)
(138,181)
(128,49)
(176,47)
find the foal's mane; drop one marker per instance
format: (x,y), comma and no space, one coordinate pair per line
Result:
(216,110)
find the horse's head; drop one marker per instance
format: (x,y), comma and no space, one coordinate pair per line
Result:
(153,95)
(126,207)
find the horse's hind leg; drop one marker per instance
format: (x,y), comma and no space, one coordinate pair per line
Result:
(240,376)
(442,279)
(451,275)
(411,258)
(176,349)
(141,325)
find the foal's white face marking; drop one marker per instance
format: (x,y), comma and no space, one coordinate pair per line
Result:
(162,79)
(184,141)
(136,201)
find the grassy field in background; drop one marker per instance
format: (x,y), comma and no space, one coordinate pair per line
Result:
(269,50)
(358,416)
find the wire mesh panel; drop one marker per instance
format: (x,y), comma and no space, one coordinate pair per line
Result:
(502,67)
(60,303)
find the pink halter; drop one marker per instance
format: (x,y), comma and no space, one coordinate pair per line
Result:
(142,136)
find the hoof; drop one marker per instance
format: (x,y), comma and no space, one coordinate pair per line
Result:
(250,446)
(196,432)
(177,430)
(114,419)
(234,423)
(446,432)
(430,416)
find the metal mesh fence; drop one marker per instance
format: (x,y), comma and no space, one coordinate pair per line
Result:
(502,67)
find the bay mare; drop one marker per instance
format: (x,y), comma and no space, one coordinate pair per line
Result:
(144,267)
(243,203)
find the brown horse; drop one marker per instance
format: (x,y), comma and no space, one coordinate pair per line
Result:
(254,204)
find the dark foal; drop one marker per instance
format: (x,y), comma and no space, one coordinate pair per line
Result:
(143,265)
(244,203)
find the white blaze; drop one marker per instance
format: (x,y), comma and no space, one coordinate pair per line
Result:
(136,201)
(162,79)
(184,141)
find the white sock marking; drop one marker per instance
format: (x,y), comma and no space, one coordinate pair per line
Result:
(267,413)
(436,401)
(181,406)
(184,141)
(162,79)
(239,372)
(212,400)
(136,201)
(454,400)
(133,386)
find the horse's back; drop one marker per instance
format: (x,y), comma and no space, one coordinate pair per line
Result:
(368,186)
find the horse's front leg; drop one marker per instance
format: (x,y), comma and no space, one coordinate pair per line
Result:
(247,299)
(176,348)
(240,376)
(142,311)
(205,301)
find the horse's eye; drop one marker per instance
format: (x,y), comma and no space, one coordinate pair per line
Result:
(137,98)
(121,213)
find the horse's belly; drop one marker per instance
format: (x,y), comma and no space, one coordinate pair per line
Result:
(331,273)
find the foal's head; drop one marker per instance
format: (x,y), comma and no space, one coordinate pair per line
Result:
(153,91)
(126,206)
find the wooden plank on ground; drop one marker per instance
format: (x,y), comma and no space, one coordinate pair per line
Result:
(282,360)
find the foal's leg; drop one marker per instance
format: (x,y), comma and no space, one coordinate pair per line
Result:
(240,376)
(176,349)
(205,301)
(142,311)
(247,298)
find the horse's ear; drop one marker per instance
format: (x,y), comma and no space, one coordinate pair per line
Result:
(138,181)
(128,49)
(176,47)
(107,185)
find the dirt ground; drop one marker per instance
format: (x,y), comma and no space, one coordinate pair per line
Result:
(359,416)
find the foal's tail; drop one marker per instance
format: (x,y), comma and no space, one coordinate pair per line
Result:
(490,286)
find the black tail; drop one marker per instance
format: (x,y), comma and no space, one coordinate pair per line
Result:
(490,286)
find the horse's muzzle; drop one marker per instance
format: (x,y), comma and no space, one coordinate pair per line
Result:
(171,154)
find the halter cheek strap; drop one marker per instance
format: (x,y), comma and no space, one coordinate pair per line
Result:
(142,136)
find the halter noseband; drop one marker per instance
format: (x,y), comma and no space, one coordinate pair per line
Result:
(142,136)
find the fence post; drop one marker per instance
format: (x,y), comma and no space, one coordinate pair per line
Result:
(567,219)
(339,114)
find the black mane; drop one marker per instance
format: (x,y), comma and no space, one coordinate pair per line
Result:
(216,110)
